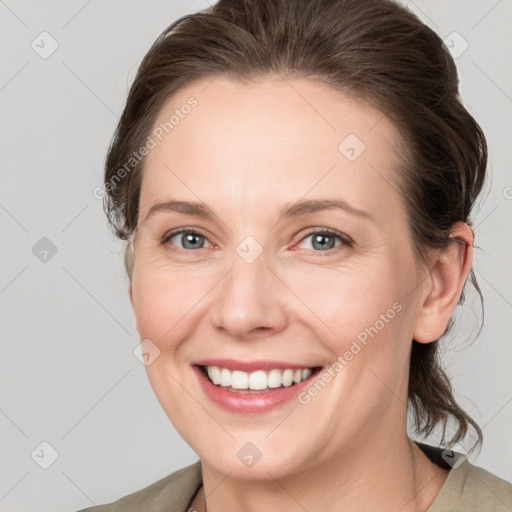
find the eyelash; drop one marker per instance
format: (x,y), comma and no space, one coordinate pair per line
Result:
(346,241)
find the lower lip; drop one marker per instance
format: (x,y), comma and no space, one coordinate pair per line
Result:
(250,402)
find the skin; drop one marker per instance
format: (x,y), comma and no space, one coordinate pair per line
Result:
(246,150)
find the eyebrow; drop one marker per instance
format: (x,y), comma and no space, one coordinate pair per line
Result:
(297,209)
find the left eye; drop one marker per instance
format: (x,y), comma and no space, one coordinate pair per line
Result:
(325,240)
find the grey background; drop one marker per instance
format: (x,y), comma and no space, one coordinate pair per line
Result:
(68,373)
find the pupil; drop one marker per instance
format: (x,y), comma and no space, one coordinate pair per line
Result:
(190,239)
(320,239)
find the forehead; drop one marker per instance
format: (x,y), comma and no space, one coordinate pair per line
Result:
(245,143)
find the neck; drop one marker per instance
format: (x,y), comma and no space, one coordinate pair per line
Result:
(390,476)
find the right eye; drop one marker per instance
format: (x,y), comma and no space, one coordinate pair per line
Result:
(187,239)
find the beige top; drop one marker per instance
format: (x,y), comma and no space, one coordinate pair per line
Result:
(468,488)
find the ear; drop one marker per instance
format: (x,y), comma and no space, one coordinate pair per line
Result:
(443,286)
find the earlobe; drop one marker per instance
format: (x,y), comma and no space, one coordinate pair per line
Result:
(444,284)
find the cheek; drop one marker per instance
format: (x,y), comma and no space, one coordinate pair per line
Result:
(347,303)
(165,302)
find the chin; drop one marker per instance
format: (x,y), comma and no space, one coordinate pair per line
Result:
(272,464)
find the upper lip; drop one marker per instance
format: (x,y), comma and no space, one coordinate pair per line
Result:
(249,366)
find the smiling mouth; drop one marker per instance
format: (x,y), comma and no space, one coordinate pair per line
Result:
(259,381)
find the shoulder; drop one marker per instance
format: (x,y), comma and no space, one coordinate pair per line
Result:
(172,493)
(472,488)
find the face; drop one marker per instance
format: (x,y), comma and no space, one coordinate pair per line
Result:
(310,308)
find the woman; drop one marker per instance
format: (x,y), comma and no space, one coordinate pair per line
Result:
(295,180)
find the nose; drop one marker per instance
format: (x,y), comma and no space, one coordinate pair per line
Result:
(250,301)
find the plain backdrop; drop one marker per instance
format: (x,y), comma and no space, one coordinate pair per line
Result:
(69,377)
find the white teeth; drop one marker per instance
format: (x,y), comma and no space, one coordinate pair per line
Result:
(225,377)
(258,379)
(287,378)
(239,380)
(305,373)
(214,374)
(274,378)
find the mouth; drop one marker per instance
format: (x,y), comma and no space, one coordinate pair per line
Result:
(238,381)
(253,387)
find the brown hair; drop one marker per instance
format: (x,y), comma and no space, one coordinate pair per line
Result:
(373,49)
